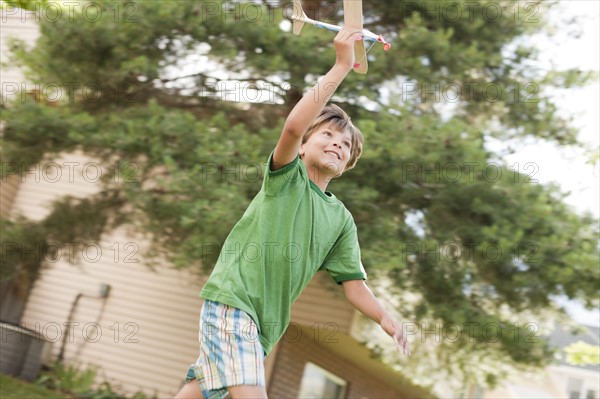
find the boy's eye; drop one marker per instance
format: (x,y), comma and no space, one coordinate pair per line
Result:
(347,144)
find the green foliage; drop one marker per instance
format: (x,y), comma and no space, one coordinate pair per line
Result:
(583,354)
(487,244)
(19,265)
(80,383)
(30,5)
(68,379)
(13,388)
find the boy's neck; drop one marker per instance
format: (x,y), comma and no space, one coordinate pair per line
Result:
(320,178)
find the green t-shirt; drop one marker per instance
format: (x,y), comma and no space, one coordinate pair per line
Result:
(290,231)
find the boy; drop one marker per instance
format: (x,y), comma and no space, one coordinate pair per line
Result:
(292,229)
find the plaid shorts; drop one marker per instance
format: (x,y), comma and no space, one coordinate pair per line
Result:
(230,351)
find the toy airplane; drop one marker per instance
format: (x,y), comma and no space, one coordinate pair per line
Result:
(352,17)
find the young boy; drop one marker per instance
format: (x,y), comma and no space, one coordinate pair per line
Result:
(292,229)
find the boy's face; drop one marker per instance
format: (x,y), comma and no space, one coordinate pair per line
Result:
(328,150)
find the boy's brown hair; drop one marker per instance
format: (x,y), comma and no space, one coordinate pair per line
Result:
(339,119)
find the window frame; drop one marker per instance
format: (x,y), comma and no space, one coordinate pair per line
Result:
(336,379)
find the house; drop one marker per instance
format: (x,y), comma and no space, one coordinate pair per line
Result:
(560,380)
(139,325)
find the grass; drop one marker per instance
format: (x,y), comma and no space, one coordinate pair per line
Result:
(13,388)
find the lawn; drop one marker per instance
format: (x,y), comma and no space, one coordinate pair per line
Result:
(12,388)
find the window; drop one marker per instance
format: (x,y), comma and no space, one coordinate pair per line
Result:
(574,388)
(478,392)
(320,383)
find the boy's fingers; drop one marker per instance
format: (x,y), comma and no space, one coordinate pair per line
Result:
(356,35)
(404,343)
(347,33)
(400,340)
(401,343)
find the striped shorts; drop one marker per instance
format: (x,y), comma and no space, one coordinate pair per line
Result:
(230,351)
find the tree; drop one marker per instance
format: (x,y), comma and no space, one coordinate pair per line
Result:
(582,354)
(483,244)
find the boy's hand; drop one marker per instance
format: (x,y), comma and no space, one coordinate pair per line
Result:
(394,329)
(344,46)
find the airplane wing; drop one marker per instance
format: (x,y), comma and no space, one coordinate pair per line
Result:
(297,17)
(353,17)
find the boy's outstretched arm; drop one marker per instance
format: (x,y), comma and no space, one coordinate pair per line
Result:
(362,298)
(313,102)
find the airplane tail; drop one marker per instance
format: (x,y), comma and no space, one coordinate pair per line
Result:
(297,17)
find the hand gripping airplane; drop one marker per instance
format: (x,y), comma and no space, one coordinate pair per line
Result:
(352,17)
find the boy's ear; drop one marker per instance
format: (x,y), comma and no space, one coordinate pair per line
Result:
(301,150)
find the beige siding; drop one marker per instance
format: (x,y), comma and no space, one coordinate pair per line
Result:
(8,191)
(11,79)
(20,24)
(148,325)
(72,174)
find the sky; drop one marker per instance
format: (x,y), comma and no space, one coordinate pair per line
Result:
(569,168)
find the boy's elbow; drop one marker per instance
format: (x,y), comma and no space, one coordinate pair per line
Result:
(291,130)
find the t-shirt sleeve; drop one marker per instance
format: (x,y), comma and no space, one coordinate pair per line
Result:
(343,261)
(281,180)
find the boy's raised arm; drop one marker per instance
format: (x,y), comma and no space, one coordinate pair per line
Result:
(313,102)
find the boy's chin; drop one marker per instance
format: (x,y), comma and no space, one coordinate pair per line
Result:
(327,170)
(332,170)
